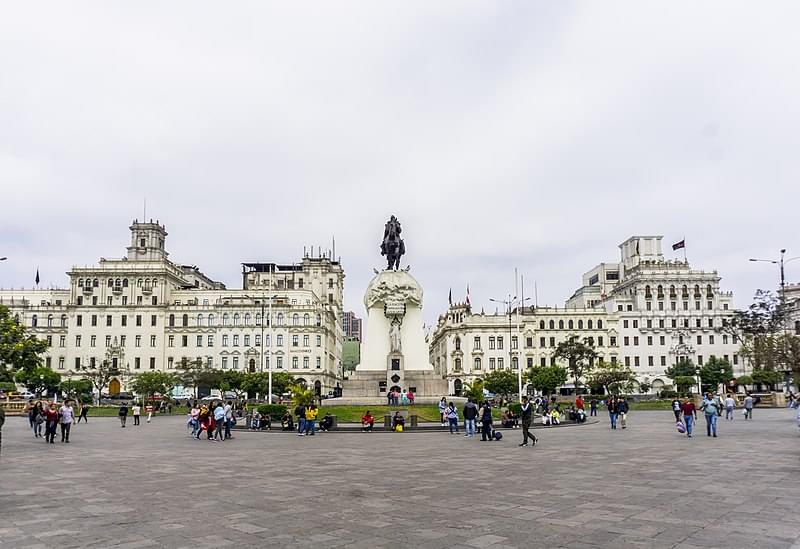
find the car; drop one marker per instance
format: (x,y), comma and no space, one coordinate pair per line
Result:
(26,395)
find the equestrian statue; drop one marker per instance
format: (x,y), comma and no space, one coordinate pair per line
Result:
(393,246)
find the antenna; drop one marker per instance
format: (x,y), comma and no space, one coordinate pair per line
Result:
(144,211)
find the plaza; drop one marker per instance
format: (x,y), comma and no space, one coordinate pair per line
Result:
(582,486)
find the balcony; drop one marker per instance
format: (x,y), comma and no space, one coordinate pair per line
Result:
(147,289)
(87,289)
(117,289)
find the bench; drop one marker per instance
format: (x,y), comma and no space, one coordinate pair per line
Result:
(412,420)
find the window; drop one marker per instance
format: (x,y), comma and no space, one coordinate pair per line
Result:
(636,361)
(543,361)
(137,363)
(491,342)
(580,324)
(236,340)
(560,324)
(477,363)
(185,320)
(77,341)
(155,300)
(661,340)
(492,362)
(674,323)
(649,340)
(319,362)
(305,363)
(514,342)
(108,341)
(599,341)
(94,320)
(210,341)
(279,362)
(650,361)
(710,322)
(319,341)
(699,340)
(612,341)
(62,341)
(153,320)
(295,319)
(224,363)
(137,341)
(711,340)
(699,360)
(599,324)
(635,323)
(152,341)
(279,340)
(542,342)
(635,340)
(225,340)
(624,323)
(236,363)
(627,361)
(152,363)
(529,342)
(258,319)
(279,319)
(626,341)
(552,342)
(552,325)
(698,323)
(295,362)
(171,341)
(306,341)
(172,320)
(735,359)
(500,342)
(247,340)
(236,319)
(93,341)
(500,363)
(225,319)
(570,324)
(661,323)
(108,320)
(61,363)
(79,320)
(295,341)
(724,340)
(514,363)
(247,319)
(458,343)
(199,341)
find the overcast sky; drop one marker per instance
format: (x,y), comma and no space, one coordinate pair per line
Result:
(537,135)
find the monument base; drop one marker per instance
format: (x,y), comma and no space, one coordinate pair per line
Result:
(376,384)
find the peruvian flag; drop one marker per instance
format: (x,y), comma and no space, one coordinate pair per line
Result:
(468,301)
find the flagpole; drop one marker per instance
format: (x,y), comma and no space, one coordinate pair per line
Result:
(519,367)
(684,251)
(519,360)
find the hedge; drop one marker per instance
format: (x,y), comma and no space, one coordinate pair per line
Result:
(275,411)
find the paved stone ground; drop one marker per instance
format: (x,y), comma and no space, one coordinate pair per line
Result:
(647,486)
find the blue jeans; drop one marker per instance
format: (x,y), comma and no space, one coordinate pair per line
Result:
(469,426)
(613,416)
(711,424)
(729,413)
(310,426)
(195,427)
(689,422)
(301,425)
(453,421)
(228,428)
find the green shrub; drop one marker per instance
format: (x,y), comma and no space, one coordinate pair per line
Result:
(516,407)
(275,411)
(668,393)
(8,387)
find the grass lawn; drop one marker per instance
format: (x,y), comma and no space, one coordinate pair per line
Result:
(352,414)
(113,411)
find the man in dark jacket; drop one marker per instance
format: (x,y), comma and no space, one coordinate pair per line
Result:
(470,413)
(527,419)
(2,421)
(486,422)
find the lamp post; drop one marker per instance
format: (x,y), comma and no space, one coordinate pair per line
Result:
(781,262)
(509,303)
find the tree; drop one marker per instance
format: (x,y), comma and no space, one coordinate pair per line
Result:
(100,376)
(154,383)
(39,379)
(682,374)
(474,390)
(744,381)
(716,371)
(766,377)
(302,394)
(546,378)
(18,349)
(580,356)
(501,382)
(77,389)
(194,374)
(645,385)
(233,380)
(613,377)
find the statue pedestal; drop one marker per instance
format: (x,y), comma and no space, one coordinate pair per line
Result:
(394,353)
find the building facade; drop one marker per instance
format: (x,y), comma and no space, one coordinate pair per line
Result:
(352,326)
(144,312)
(644,311)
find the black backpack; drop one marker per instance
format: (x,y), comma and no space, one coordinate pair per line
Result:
(498,435)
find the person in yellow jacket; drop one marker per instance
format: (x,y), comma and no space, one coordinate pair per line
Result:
(311,419)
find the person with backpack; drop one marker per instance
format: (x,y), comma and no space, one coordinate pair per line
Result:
(711,407)
(452,417)
(730,404)
(123,414)
(622,409)
(219,422)
(300,412)
(676,408)
(486,421)
(470,413)
(748,406)
(527,420)
(593,407)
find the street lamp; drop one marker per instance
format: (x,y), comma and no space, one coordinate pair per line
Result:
(263,320)
(509,303)
(780,262)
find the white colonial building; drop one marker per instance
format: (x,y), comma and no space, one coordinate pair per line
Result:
(644,311)
(144,312)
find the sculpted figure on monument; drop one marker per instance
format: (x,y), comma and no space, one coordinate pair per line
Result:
(393,246)
(394,336)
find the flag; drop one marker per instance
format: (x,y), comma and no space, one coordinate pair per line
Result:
(37,276)
(679,245)
(637,247)
(468,301)
(450,297)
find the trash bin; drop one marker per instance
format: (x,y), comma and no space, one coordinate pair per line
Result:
(413,421)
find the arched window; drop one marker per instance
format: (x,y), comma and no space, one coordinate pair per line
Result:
(139,282)
(258,319)
(34,321)
(185,319)
(247,319)
(124,282)
(685,291)
(541,324)
(697,290)
(709,291)
(458,365)
(110,282)
(172,320)
(306,319)
(580,324)
(96,283)
(49,321)
(552,325)
(672,293)
(63,321)
(200,320)
(647,293)
(571,324)
(660,290)
(279,319)
(319,319)
(118,282)
(458,343)
(477,363)
(295,319)
(210,320)
(560,324)
(225,319)
(236,319)
(589,324)
(599,324)
(155,282)
(80,283)
(514,363)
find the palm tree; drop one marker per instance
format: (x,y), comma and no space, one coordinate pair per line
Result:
(302,395)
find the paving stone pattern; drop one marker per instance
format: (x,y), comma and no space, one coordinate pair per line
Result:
(588,486)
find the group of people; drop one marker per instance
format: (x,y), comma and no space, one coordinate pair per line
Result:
(215,420)
(618,409)
(712,407)
(400,398)
(49,416)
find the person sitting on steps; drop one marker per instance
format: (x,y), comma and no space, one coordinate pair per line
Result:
(367,421)
(398,420)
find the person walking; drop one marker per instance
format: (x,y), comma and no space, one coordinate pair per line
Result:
(622,411)
(676,408)
(149,409)
(730,404)
(611,405)
(311,419)
(593,407)
(66,420)
(123,414)
(137,411)
(194,420)
(689,415)
(38,419)
(470,413)
(30,407)
(2,421)
(748,406)
(51,419)
(711,407)
(527,420)
(228,419)
(486,421)
(84,413)
(442,411)
(452,417)
(219,420)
